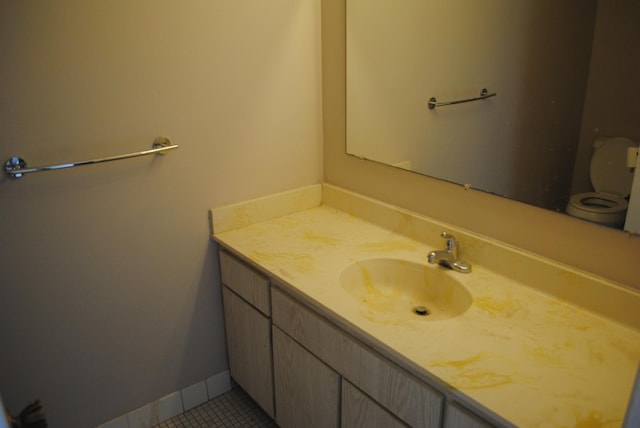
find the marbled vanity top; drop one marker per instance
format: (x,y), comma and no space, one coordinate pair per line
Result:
(520,350)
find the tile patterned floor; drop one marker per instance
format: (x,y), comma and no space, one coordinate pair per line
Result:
(231,409)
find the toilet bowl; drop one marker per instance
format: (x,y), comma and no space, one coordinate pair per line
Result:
(601,208)
(611,179)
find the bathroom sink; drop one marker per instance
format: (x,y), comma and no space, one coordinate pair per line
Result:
(393,290)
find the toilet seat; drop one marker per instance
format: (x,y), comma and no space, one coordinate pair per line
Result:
(597,207)
(598,202)
(612,183)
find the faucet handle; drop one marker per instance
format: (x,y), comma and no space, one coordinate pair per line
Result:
(452,242)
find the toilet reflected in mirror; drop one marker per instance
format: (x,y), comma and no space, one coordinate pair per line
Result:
(611,179)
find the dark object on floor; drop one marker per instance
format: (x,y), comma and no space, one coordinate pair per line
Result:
(31,416)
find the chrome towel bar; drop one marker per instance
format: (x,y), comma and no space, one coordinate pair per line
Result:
(16,167)
(484,94)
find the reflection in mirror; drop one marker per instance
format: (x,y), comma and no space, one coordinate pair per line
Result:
(565,73)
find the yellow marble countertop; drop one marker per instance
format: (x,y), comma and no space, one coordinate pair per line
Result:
(534,357)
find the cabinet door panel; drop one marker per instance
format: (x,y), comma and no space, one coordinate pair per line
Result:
(306,390)
(249,348)
(358,410)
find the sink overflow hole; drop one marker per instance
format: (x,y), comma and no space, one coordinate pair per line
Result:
(421,310)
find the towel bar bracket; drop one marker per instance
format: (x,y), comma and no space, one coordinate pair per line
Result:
(16,167)
(159,143)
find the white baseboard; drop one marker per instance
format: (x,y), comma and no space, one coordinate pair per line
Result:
(173,404)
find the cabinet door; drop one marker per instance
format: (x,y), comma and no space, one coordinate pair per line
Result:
(249,349)
(306,390)
(358,410)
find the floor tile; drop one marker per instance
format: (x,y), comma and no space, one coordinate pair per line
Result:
(231,409)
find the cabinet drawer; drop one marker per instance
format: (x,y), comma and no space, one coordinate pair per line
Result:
(246,282)
(459,417)
(414,402)
(358,410)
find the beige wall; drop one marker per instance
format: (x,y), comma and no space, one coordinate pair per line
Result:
(108,285)
(603,251)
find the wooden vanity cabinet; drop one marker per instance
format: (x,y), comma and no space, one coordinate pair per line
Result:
(304,370)
(247,312)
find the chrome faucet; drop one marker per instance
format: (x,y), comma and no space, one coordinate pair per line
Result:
(449,257)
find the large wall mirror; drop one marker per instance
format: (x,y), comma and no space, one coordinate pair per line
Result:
(565,72)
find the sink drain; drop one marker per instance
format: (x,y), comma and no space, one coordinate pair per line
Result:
(421,310)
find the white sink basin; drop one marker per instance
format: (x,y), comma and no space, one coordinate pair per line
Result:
(392,290)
